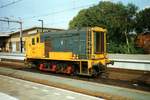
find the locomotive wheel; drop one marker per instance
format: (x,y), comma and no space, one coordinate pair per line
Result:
(69,69)
(95,71)
(54,68)
(41,67)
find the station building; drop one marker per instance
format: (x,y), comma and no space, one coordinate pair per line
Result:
(3,40)
(11,42)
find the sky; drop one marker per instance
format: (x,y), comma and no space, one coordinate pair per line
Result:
(54,13)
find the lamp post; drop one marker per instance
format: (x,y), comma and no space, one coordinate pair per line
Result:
(21,36)
(41,23)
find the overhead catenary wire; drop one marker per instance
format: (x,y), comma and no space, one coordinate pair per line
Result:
(11,3)
(56,12)
(59,11)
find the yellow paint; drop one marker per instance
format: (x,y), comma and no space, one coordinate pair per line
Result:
(92,36)
(60,55)
(99,29)
(98,58)
(34,51)
(105,43)
(89,64)
(80,67)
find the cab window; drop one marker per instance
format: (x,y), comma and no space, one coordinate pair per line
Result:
(99,42)
(33,41)
(37,40)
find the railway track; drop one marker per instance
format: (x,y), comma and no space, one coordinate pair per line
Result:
(127,84)
(134,84)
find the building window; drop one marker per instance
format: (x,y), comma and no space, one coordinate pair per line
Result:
(33,41)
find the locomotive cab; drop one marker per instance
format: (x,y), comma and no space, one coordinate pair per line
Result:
(96,47)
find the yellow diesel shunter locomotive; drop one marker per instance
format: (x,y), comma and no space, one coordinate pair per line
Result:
(79,51)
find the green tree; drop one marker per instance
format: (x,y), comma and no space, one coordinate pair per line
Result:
(143,20)
(117,18)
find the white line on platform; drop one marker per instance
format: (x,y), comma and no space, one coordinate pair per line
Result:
(45,90)
(70,97)
(4,96)
(34,87)
(57,93)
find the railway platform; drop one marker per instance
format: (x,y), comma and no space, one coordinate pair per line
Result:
(17,89)
(94,89)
